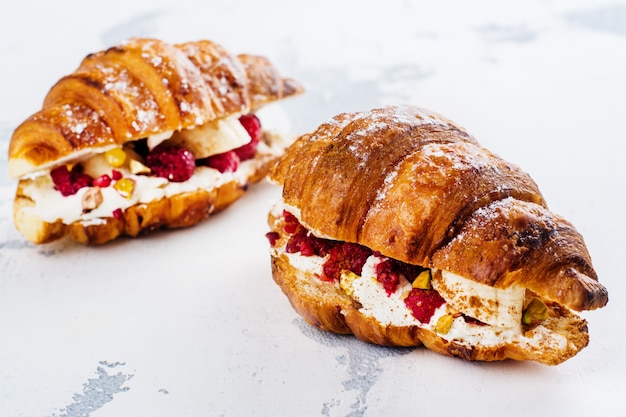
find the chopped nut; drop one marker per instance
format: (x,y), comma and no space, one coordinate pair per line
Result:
(345,281)
(444,323)
(535,311)
(137,167)
(125,186)
(422,281)
(91,199)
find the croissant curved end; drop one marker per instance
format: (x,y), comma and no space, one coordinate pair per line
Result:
(592,296)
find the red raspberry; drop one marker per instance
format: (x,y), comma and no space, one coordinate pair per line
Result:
(176,163)
(118,214)
(346,256)
(322,247)
(307,244)
(223,162)
(423,303)
(302,240)
(69,182)
(252,124)
(272,237)
(295,241)
(388,273)
(103,181)
(291,222)
(116,175)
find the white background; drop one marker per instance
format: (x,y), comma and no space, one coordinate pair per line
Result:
(190,323)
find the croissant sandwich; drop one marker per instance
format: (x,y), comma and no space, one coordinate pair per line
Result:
(395,225)
(142,136)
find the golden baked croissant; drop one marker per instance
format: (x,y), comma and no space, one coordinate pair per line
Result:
(397,226)
(144,135)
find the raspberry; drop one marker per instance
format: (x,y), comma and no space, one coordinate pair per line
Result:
(389,270)
(103,181)
(291,222)
(322,247)
(302,240)
(118,214)
(116,175)
(69,182)
(223,162)
(308,245)
(252,124)
(296,240)
(346,256)
(388,276)
(423,303)
(176,163)
(272,237)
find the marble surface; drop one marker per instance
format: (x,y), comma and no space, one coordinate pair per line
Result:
(189,323)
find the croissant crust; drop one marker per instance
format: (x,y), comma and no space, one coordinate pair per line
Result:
(418,188)
(140,88)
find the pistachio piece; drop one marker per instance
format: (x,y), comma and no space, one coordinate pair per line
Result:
(125,186)
(345,281)
(444,323)
(535,311)
(422,281)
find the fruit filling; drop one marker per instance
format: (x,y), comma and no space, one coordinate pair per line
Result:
(69,181)
(411,285)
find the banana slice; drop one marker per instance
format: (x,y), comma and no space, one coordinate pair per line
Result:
(212,138)
(498,307)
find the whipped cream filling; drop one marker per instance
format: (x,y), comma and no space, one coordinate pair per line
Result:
(391,310)
(50,205)
(374,300)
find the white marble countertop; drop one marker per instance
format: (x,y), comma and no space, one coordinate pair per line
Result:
(190,323)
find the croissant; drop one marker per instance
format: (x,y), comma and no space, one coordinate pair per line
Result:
(142,136)
(395,225)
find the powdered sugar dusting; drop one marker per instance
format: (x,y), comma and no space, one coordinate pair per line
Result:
(156,60)
(387,183)
(418,116)
(146,117)
(492,211)
(460,156)
(371,127)
(78,128)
